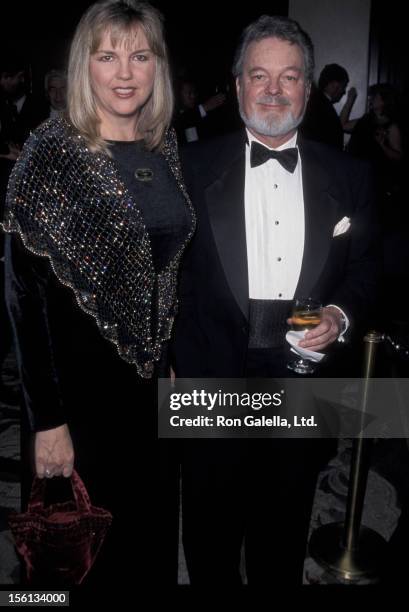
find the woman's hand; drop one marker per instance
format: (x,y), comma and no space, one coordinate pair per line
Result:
(54,453)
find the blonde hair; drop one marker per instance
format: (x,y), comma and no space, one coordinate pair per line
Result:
(120,18)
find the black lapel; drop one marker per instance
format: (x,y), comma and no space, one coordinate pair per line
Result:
(320,218)
(225,203)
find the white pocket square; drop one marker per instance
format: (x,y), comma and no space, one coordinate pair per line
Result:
(342,226)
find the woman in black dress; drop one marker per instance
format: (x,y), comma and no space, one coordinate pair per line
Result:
(97,220)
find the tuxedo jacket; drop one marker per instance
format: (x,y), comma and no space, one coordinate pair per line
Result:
(321,122)
(17,128)
(211,331)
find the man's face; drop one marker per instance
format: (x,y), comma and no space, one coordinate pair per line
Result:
(272,90)
(12,85)
(338,90)
(377,104)
(188,96)
(57,91)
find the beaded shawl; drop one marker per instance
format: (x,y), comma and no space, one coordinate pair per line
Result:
(71,206)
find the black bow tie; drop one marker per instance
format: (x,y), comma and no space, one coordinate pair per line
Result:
(287,157)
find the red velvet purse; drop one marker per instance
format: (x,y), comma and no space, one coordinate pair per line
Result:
(59,543)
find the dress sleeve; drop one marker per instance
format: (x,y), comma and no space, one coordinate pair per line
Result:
(27,283)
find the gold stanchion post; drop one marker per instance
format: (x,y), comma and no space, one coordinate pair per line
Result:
(350,550)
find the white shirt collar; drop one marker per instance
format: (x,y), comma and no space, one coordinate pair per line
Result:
(19,103)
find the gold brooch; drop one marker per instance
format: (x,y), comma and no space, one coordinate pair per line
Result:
(144,174)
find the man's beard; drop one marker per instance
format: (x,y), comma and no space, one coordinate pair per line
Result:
(274,124)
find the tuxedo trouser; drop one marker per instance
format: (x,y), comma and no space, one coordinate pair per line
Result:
(258,492)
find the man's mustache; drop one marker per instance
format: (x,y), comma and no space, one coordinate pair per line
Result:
(276,100)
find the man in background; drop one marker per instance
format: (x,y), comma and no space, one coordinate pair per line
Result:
(321,122)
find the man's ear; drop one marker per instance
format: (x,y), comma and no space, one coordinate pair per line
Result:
(238,86)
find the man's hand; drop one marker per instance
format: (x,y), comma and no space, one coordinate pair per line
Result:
(13,154)
(352,95)
(54,453)
(325,333)
(214,102)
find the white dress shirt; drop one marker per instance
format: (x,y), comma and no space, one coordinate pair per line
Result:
(274,212)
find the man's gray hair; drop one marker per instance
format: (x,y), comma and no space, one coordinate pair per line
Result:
(283,28)
(54,74)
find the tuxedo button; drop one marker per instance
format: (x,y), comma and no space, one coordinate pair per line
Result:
(276,222)
(278,258)
(280,295)
(275,186)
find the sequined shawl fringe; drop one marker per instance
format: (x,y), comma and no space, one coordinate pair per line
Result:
(70,205)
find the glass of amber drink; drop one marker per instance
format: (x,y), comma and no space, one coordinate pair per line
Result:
(306,315)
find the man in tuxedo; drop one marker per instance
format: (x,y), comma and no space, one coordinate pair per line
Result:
(278,218)
(20,111)
(321,122)
(196,121)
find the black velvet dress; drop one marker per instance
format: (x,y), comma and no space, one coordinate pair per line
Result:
(71,374)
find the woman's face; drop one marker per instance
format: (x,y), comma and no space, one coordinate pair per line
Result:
(122,77)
